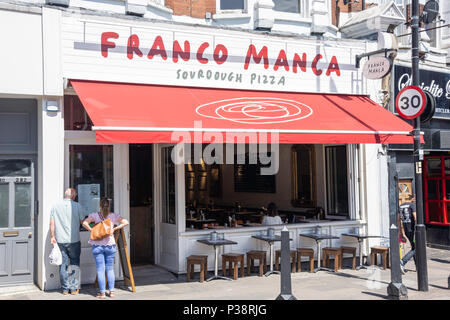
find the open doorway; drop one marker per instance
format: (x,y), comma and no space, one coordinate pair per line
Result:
(141,204)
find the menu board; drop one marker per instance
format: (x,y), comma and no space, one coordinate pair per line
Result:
(89,197)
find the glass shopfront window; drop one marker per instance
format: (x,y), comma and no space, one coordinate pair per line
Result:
(91,174)
(437,190)
(337,182)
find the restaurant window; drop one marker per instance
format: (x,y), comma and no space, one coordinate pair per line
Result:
(292,6)
(75,116)
(91,174)
(437,190)
(203,183)
(168,186)
(231,5)
(303,175)
(336,182)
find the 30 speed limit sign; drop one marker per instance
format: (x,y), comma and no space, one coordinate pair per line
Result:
(410,102)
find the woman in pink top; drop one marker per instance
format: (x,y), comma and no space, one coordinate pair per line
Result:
(105,249)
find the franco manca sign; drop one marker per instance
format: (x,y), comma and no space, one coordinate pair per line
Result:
(164,54)
(437,83)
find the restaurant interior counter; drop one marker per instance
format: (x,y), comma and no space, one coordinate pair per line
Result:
(226,217)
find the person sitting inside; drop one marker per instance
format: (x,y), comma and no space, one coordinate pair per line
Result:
(272,216)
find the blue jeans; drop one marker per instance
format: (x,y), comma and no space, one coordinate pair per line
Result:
(70,257)
(104,261)
(412,252)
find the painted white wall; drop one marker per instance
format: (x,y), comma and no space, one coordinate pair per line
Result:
(51,32)
(51,189)
(21,53)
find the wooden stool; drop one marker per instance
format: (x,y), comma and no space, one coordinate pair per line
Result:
(191,261)
(233,259)
(259,255)
(305,252)
(293,257)
(330,251)
(384,251)
(352,251)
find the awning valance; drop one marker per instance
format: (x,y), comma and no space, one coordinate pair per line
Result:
(134,113)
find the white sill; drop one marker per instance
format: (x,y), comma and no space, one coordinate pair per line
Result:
(289,16)
(231,15)
(160,7)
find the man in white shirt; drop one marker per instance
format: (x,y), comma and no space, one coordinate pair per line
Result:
(65,219)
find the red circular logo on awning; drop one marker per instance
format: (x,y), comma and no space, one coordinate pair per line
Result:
(255,110)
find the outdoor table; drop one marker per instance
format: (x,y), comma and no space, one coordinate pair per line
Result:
(318,237)
(360,238)
(216,244)
(271,241)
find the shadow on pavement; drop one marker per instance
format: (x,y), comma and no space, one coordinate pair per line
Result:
(378,295)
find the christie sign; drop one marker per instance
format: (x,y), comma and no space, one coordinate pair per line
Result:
(437,83)
(194,56)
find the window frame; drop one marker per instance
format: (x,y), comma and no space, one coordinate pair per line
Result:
(219,9)
(349,167)
(300,7)
(312,202)
(442,178)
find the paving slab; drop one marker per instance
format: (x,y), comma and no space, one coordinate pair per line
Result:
(155,283)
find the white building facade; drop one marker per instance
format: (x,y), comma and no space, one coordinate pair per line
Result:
(47,148)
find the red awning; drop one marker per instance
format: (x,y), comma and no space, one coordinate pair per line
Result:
(133,113)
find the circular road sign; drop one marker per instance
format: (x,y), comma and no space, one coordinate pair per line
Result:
(410,102)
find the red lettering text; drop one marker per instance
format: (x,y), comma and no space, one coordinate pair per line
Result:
(316,71)
(333,67)
(299,62)
(133,46)
(251,52)
(186,55)
(219,59)
(108,44)
(200,51)
(158,48)
(281,61)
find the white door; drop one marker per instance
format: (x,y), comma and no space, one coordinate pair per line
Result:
(166,207)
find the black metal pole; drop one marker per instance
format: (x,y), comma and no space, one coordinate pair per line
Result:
(286,288)
(420,236)
(396,289)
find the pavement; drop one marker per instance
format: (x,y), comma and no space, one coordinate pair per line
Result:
(155,283)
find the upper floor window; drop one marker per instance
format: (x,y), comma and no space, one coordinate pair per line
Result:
(232,4)
(292,6)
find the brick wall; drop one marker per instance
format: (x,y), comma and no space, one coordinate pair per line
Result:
(192,8)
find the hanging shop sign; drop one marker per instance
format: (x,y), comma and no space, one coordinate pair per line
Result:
(436,83)
(410,102)
(159,53)
(377,67)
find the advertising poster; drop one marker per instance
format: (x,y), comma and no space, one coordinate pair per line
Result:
(89,197)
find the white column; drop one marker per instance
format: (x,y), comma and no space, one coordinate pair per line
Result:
(51,145)
(51,188)
(264,14)
(319,16)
